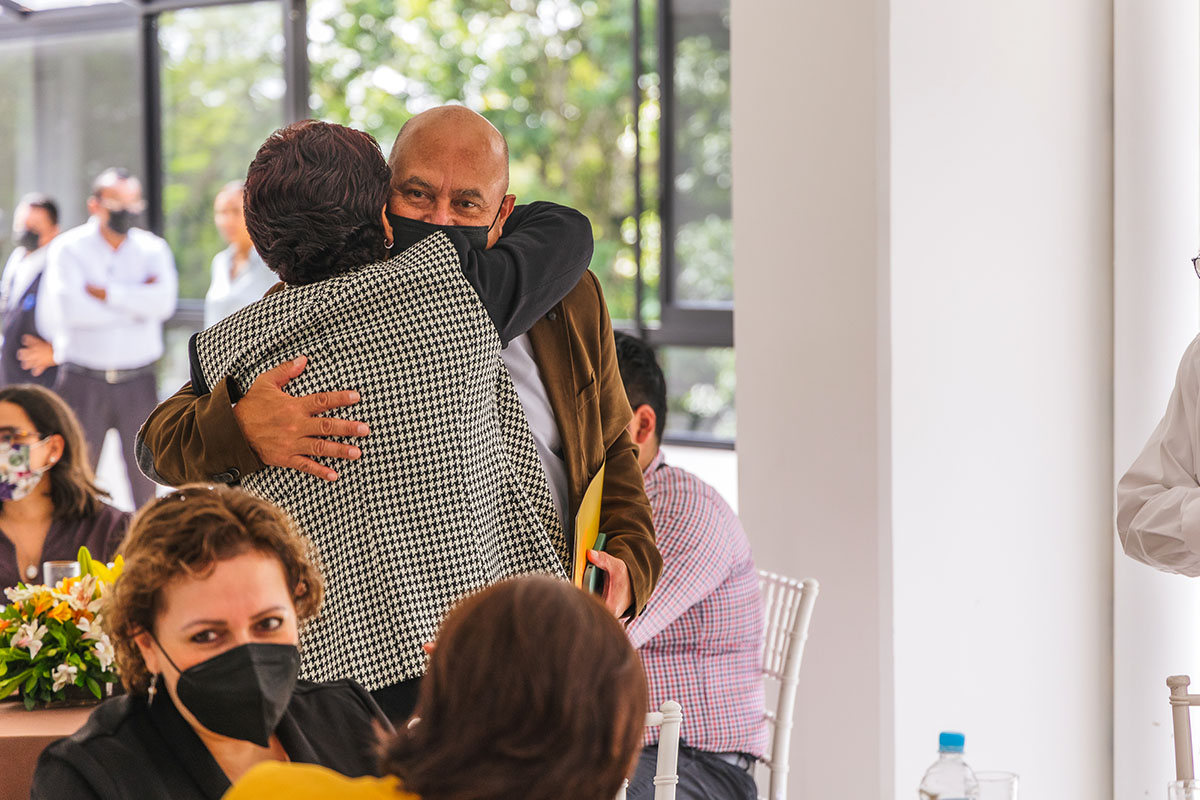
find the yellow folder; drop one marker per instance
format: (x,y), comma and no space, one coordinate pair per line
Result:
(587,525)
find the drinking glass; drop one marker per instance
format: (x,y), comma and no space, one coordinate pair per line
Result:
(55,571)
(1183,790)
(1000,785)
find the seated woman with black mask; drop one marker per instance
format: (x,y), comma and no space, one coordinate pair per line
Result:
(206,617)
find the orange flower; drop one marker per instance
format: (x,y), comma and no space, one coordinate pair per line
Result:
(4,624)
(62,612)
(44,601)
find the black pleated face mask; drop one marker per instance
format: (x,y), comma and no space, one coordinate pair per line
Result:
(407,232)
(241,693)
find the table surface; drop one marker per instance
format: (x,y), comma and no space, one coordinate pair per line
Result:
(23,736)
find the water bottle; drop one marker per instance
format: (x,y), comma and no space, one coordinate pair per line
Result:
(949,778)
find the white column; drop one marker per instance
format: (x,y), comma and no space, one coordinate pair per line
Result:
(1156,311)
(809,156)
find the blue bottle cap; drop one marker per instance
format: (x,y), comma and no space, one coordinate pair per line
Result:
(949,742)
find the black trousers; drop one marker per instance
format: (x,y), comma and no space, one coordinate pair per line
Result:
(702,776)
(398,700)
(101,405)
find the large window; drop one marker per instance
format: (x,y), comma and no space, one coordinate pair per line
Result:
(617,107)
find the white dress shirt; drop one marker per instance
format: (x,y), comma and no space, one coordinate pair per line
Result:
(527,379)
(227,295)
(1158,499)
(123,331)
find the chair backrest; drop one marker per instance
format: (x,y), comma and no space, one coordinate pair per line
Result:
(667,719)
(1181,703)
(788,606)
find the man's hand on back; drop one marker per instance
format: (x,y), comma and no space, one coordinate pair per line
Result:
(284,431)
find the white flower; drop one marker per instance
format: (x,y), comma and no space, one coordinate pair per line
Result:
(30,637)
(20,595)
(80,596)
(63,675)
(104,651)
(92,629)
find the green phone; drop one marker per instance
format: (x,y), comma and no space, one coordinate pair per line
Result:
(593,576)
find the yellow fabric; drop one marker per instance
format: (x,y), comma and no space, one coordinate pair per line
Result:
(275,779)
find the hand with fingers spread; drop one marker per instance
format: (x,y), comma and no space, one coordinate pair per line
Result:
(285,431)
(618,595)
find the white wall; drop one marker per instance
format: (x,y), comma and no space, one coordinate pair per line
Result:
(1156,312)
(1001,359)
(808,113)
(923,217)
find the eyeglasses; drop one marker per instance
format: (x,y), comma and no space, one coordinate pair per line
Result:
(10,436)
(112,205)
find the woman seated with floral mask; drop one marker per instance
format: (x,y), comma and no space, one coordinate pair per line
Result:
(205,615)
(532,692)
(49,503)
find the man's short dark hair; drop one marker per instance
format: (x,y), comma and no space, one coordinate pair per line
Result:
(44,202)
(643,378)
(315,194)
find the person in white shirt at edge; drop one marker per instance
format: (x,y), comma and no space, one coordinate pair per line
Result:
(1158,499)
(239,276)
(26,355)
(108,288)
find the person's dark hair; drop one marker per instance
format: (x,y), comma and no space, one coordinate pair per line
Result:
(533,691)
(187,532)
(314,201)
(44,202)
(108,177)
(73,489)
(643,378)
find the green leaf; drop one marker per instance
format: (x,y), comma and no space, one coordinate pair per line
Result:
(31,681)
(94,687)
(29,701)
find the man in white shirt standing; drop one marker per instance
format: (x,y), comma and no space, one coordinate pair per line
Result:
(108,288)
(25,355)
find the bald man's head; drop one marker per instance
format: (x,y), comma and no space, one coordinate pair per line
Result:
(454,124)
(450,167)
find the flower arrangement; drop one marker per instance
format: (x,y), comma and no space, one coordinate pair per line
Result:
(53,638)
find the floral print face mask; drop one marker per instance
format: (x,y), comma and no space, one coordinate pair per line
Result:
(17,478)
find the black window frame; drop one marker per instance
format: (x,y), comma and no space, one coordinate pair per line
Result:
(681,324)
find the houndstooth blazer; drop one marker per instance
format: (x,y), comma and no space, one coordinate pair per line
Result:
(449,495)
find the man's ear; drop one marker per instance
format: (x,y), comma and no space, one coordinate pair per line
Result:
(93,205)
(644,423)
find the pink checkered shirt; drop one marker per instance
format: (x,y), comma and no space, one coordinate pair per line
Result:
(701,634)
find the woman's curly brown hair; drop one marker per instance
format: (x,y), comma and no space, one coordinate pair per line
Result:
(314,201)
(186,533)
(533,691)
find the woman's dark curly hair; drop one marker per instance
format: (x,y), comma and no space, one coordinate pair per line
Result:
(186,533)
(314,196)
(533,691)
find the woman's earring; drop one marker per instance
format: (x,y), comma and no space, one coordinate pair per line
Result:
(388,244)
(153,690)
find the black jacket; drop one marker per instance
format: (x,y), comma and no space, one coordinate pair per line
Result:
(131,750)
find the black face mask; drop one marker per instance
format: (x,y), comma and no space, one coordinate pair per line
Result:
(119,222)
(243,692)
(407,232)
(29,240)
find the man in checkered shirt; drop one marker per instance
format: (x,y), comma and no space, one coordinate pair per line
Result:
(700,636)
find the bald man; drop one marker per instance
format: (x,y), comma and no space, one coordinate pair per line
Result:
(450,174)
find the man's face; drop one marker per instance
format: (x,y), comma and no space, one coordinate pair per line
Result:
(230,218)
(117,197)
(451,185)
(35,219)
